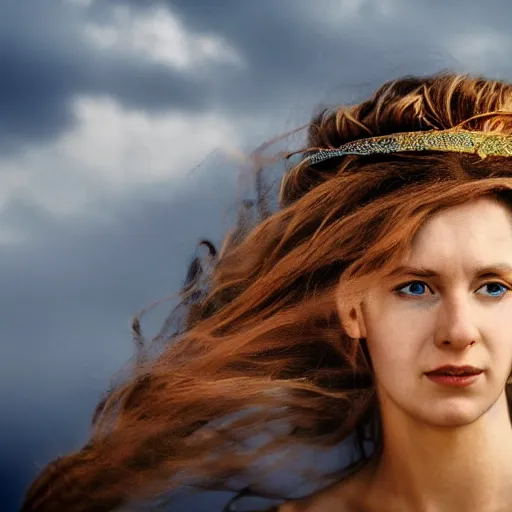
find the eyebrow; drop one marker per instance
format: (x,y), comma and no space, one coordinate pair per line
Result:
(487,271)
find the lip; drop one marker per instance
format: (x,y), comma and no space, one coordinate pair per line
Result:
(453,381)
(459,371)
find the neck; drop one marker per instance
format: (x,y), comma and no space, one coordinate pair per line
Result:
(429,468)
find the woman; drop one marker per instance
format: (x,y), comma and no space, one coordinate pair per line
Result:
(372,307)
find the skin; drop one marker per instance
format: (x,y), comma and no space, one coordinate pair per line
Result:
(445,449)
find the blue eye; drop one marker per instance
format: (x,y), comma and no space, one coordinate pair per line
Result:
(506,288)
(401,287)
(422,284)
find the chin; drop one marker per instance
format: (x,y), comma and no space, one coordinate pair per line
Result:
(453,414)
(454,420)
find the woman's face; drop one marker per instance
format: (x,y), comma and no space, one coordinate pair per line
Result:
(416,323)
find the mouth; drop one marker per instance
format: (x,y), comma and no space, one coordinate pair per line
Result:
(455,371)
(454,381)
(454,376)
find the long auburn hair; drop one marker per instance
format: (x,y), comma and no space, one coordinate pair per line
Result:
(260,346)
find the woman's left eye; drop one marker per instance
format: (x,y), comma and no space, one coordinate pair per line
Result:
(506,288)
(421,283)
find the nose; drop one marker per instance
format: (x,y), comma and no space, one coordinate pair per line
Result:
(457,325)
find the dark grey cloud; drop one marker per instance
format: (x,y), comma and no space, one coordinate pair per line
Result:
(298,55)
(38,71)
(66,306)
(45,62)
(292,59)
(59,290)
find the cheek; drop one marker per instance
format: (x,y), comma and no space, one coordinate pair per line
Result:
(502,357)
(391,359)
(394,339)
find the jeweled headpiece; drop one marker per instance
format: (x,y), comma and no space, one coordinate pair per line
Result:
(456,141)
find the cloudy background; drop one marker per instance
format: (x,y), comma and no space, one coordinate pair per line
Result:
(119,122)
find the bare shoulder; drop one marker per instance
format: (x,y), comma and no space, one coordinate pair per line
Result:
(287,507)
(343,496)
(312,506)
(321,502)
(294,506)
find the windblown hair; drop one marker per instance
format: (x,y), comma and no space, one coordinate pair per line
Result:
(262,347)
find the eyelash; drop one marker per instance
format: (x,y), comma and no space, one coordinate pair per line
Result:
(402,294)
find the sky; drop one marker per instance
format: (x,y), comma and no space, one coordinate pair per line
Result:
(120,126)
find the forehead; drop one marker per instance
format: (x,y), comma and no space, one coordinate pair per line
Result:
(484,221)
(474,237)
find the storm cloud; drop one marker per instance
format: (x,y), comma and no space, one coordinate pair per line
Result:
(117,122)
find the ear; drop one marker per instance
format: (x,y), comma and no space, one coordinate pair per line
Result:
(351,317)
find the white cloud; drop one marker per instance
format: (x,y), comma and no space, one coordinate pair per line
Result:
(334,12)
(356,15)
(80,3)
(121,145)
(478,48)
(159,35)
(110,151)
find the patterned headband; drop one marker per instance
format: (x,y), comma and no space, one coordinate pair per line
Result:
(480,143)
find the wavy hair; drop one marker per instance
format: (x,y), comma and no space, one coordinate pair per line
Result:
(260,346)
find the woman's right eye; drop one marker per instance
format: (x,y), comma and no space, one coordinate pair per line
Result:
(399,289)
